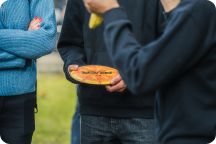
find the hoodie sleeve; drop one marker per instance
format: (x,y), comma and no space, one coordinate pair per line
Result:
(147,68)
(32,44)
(71,43)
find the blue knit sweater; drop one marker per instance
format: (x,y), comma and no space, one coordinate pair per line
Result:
(19,48)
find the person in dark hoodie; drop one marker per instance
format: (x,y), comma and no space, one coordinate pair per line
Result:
(180,65)
(107,114)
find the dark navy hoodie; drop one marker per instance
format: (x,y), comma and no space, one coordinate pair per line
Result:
(80,45)
(180,65)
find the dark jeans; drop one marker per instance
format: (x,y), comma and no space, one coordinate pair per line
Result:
(102,130)
(75,129)
(17,122)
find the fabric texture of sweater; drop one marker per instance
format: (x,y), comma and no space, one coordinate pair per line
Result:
(180,65)
(80,45)
(19,48)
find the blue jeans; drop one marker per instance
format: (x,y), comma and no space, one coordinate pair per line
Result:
(75,129)
(104,130)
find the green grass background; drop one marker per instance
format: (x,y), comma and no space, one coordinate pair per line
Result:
(56,104)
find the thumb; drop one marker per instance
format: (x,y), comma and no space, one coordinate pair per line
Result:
(73,68)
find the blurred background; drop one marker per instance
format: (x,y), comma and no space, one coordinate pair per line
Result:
(56,96)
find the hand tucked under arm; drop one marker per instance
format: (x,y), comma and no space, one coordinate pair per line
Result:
(35,24)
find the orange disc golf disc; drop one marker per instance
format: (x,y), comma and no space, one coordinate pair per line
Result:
(94,74)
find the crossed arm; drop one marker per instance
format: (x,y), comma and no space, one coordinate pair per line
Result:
(18,45)
(8,60)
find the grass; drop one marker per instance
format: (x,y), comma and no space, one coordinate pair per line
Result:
(56,104)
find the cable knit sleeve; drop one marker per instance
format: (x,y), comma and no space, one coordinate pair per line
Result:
(32,44)
(8,60)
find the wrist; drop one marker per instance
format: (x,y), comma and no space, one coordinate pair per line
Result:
(110,7)
(114,15)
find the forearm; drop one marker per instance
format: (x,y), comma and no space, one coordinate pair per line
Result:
(146,68)
(17,63)
(71,43)
(32,44)
(8,60)
(27,44)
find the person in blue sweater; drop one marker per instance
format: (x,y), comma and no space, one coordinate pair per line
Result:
(180,65)
(22,41)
